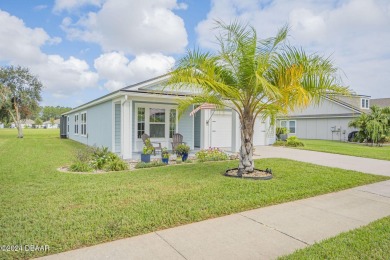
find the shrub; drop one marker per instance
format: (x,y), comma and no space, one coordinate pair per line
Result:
(148,148)
(116,165)
(280,143)
(142,165)
(79,166)
(293,141)
(211,154)
(100,157)
(281,131)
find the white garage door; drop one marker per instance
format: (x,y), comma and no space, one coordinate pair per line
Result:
(221,129)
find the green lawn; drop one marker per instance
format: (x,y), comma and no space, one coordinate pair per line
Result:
(41,206)
(369,242)
(382,153)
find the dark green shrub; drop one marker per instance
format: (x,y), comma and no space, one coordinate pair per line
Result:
(293,141)
(211,154)
(80,167)
(116,164)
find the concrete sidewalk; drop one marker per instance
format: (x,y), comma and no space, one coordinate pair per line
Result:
(264,233)
(367,165)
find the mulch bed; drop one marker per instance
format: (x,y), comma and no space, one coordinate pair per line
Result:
(255,175)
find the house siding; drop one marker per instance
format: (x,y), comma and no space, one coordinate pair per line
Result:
(99,125)
(117,128)
(186,127)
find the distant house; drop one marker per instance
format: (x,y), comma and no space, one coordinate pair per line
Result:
(327,120)
(1,125)
(119,119)
(24,123)
(380,102)
(48,124)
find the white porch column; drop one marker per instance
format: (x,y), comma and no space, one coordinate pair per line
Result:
(126,129)
(236,134)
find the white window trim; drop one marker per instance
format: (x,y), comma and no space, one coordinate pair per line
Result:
(365,101)
(288,125)
(81,125)
(147,106)
(76,123)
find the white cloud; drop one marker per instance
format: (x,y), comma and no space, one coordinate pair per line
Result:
(120,72)
(132,27)
(20,45)
(355,32)
(71,5)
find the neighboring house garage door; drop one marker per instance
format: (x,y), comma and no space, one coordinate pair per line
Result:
(221,129)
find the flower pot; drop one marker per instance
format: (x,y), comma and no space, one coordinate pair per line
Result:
(184,157)
(283,137)
(145,158)
(165,160)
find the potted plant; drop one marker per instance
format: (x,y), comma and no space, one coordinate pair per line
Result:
(182,150)
(147,150)
(165,155)
(281,133)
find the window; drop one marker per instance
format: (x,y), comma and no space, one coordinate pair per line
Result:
(76,124)
(84,123)
(290,125)
(67,124)
(172,122)
(141,122)
(365,103)
(157,122)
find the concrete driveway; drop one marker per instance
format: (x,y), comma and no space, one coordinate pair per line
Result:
(366,165)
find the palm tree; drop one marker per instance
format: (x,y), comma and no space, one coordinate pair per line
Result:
(373,126)
(254,78)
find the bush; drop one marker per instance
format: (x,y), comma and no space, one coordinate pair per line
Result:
(182,149)
(80,167)
(211,154)
(100,156)
(280,143)
(293,141)
(97,158)
(116,165)
(142,165)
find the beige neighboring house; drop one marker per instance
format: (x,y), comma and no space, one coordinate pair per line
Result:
(380,102)
(48,124)
(327,120)
(24,122)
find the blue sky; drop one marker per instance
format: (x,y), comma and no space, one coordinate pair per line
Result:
(83,49)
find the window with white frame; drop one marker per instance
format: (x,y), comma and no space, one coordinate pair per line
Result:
(290,125)
(141,121)
(76,124)
(172,122)
(67,124)
(84,123)
(157,122)
(365,103)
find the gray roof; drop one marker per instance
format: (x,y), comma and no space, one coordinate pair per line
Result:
(380,102)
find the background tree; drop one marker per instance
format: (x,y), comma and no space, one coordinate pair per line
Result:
(20,93)
(53,112)
(38,121)
(254,78)
(374,126)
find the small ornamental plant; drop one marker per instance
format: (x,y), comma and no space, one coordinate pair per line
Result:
(211,154)
(182,149)
(148,148)
(165,153)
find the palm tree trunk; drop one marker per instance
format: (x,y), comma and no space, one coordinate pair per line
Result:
(246,164)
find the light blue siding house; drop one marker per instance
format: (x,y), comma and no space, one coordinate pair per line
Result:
(118,120)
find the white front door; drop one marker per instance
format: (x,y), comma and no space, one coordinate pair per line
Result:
(221,129)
